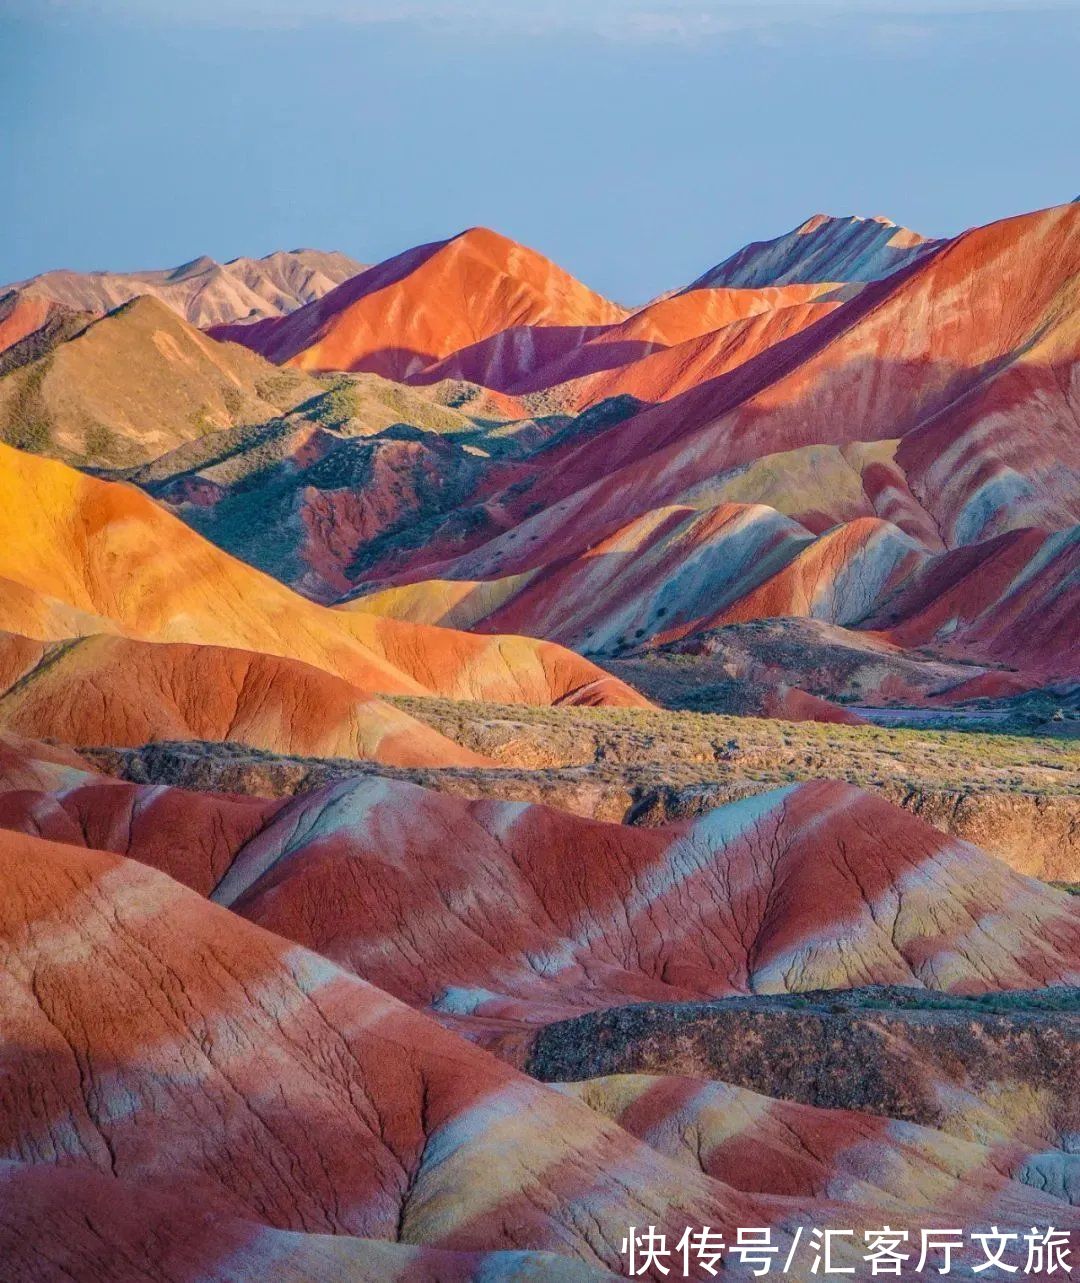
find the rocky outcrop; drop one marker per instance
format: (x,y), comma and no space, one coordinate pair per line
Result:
(1003,1066)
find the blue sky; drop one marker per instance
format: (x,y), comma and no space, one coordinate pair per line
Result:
(635,141)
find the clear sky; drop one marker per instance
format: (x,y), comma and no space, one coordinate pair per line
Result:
(637,142)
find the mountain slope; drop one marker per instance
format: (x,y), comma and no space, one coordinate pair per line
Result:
(136,383)
(306,503)
(1000,301)
(529,358)
(82,556)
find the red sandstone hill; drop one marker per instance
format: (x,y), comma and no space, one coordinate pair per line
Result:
(812,886)
(410,311)
(292,1100)
(929,417)
(201,1052)
(808,887)
(973,349)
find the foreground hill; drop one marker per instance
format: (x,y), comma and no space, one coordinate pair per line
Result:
(997,1070)
(202,291)
(294,1101)
(410,311)
(808,887)
(282,1091)
(79,556)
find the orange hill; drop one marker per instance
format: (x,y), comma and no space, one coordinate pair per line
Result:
(79,555)
(422,305)
(111,690)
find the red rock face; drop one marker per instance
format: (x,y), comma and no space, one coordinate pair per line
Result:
(810,887)
(193,837)
(682,338)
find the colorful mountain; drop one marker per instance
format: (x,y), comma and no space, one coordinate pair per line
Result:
(356,926)
(822,249)
(405,314)
(893,442)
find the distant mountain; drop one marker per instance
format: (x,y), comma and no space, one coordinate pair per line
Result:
(203,291)
(822,249)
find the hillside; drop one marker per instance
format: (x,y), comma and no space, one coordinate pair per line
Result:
(79,555)
(138,382)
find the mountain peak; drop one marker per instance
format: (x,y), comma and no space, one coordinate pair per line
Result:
(823,248)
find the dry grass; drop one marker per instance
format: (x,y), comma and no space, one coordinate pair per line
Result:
(684,746)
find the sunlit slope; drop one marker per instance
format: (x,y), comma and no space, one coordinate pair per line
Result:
(103,554)
(408,312)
